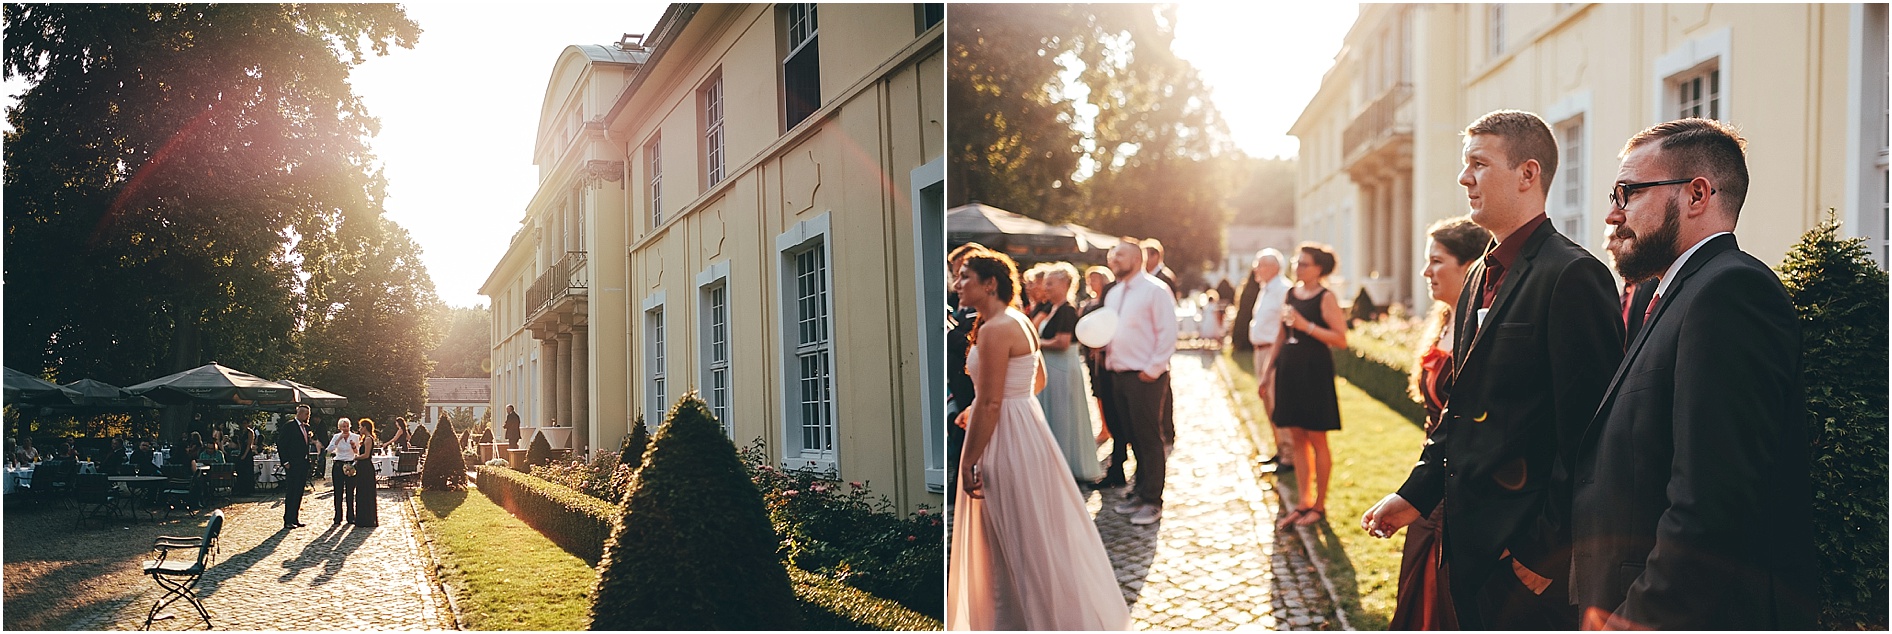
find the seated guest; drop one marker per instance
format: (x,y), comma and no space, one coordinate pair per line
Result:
(66,451)
(211,454)
(115,457)
(145,459)
(25,454)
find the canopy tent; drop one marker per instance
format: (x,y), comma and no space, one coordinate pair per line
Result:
(102,396)
(215,384)
(23,388)
(1089,239)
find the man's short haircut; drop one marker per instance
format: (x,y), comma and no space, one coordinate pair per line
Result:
(1151,245)
(1135,249)
(1701,147)
(1526,137)
(1280,261)
(303,406)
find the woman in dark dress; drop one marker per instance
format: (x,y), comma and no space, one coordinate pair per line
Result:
(366,511)
(1425,601)
(1305,403)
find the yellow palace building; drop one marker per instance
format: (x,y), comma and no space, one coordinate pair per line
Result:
(745,202)
(1380,146)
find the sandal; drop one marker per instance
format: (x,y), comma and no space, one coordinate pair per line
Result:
(1311,517)
(1290,519)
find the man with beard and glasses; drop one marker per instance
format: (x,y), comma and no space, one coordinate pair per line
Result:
(1636,292)
(1691,498)
(1539,335)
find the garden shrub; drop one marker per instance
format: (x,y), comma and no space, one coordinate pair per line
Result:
(602,478)
(635,443)
(443,470)
(829,605)
(539,453)
(1840,294)
(693,549)
(840,530)
(422,439)
(498,462)
(1244,313)
(1378,356)
(578,523)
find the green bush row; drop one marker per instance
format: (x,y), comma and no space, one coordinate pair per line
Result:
(576,522)
(1379,380)
(827,604)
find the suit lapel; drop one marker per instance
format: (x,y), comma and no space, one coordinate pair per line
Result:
(1508,287)
(1695,263)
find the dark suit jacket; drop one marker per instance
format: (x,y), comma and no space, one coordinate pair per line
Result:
(291,448)
(1525,385)
(1638,303)
(1692,494)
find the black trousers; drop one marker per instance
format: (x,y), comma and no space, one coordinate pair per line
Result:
(295,478)
(344,493)
(1143,405)
(1504,603)
(1116,423)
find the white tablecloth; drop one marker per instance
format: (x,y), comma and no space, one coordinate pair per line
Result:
(558,437)
(18,476)
(384,465)
(266,469)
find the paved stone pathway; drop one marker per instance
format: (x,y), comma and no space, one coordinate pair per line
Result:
(1214,561)
(319,577)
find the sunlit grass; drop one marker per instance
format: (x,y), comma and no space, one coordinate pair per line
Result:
(1373,452)
(504,574)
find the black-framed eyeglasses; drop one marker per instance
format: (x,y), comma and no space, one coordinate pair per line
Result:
(1620,195)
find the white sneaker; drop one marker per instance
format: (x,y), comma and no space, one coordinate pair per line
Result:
(1130,504)
(1148,515)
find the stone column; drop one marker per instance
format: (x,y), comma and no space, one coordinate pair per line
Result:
(581,390)
(548,386)
(1404,240)
(564,368)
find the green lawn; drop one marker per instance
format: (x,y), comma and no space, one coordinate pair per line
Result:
(1373,452)
(504,574)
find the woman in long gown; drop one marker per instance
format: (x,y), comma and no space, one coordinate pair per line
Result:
(367,511)
(1425,601)
(1065,399)
(1025,555)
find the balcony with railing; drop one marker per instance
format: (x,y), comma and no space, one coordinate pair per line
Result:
(1379,125)
(560,291)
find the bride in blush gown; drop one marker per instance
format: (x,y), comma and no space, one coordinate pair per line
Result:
(1025,555)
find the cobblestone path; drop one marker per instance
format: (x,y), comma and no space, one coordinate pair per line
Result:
(319,577)
(1213,562)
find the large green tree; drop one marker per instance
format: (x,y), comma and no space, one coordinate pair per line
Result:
(372,316)
(163,170)
(1146,155)
(466,348)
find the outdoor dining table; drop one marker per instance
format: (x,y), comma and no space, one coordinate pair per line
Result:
(17,476)
(266,470)
(384,465)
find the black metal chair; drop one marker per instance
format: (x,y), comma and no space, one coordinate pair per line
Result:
(221,480)
(95,497)
(180,487)
(178,577)
(52,481)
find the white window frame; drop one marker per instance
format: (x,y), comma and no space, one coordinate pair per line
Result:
(708,282)
(1690,58)
(929,230)
(1494,30)
(655,377)
(710,108)
(1574,173)
(794,45)
(1867,182)
(654,181)
(811,233)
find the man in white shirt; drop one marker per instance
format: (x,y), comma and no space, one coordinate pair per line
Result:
(343,446)
(1153,264)
(1262,330)
(1138,362)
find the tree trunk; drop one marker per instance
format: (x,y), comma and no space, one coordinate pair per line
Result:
(186,353)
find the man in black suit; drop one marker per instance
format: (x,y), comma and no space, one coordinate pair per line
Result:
(1541,333)
(292,447)
(1692,496)
(511,427)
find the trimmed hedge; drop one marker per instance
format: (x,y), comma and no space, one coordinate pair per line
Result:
(445,468)
(827,604)
(420,438)
(694,549)
(1840,294)
(576,522)
(1382,381)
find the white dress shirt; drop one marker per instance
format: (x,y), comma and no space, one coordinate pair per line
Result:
(1146,325)
(1268,304)
(1662,288)
(343,444)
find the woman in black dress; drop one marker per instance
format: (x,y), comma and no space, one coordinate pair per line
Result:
(1305,403)
(366,511)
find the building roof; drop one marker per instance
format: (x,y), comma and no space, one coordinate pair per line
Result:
(450,390)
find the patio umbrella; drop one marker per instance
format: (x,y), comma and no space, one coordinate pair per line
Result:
(212,383)
(1005,231)
(316,397)
(93,394)
(28,389)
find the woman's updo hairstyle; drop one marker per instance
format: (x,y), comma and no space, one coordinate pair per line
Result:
(1323,257)
(1461,238)
(993,265)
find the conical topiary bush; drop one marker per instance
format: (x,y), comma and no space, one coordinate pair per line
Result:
(422,439)
(632,453)
(445,469)
(539,453)
(694,549)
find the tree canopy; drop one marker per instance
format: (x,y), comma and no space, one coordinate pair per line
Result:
(466,349)
(1081,113)
(181,182)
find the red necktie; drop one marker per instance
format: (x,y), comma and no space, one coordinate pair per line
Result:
(1646,312)
(1629,293)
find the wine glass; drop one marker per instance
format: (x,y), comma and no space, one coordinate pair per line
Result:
(1287,321)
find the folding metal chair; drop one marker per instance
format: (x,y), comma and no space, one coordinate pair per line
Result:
(180,487)
(179,576)
(95,497)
